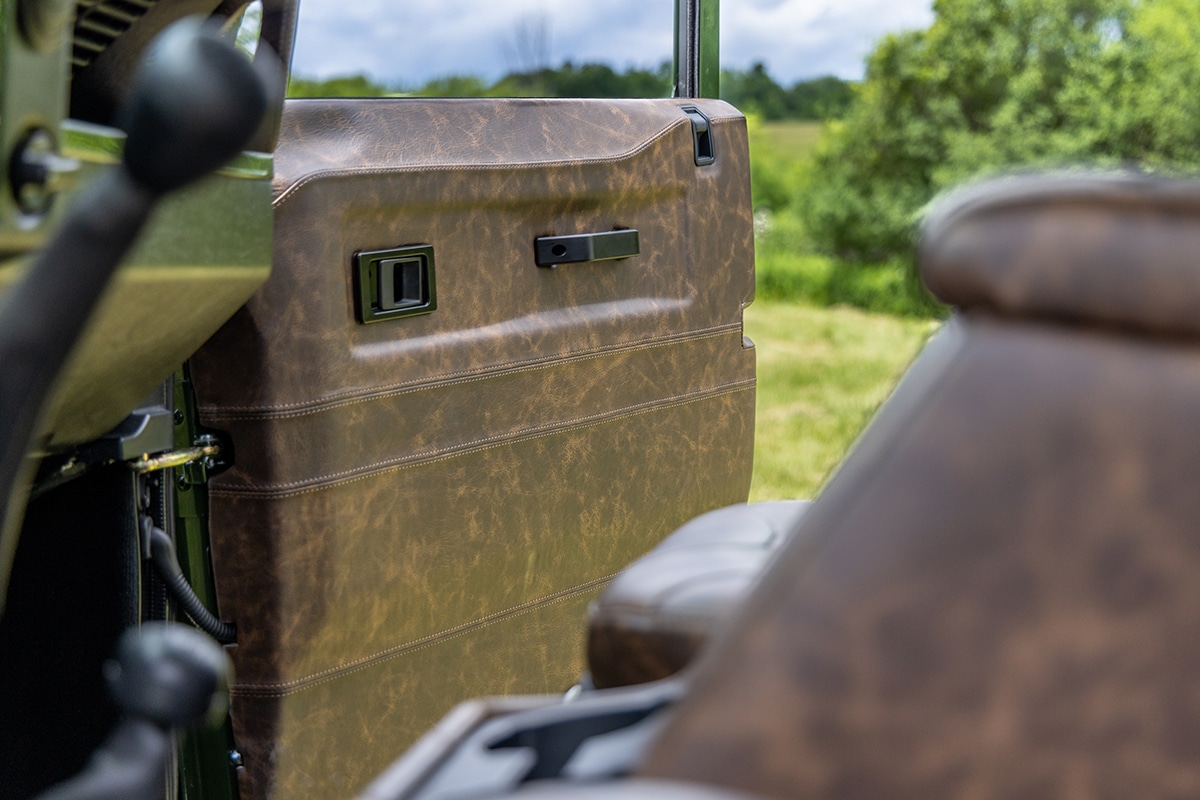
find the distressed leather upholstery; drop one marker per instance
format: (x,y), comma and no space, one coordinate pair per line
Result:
(659,612)
(997,594)
(1116,251)
(420,509)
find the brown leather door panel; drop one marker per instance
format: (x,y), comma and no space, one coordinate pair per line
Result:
(420,508)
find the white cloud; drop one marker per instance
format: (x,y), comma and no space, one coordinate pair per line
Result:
(411,42)
(798,39)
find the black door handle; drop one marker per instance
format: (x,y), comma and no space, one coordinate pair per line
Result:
(550,251)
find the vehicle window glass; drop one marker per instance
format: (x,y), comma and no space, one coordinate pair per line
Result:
(249,27)
(465,48)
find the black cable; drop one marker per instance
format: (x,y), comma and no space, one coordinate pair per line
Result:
(162,553)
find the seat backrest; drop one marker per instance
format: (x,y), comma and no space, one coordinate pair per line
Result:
(998,593)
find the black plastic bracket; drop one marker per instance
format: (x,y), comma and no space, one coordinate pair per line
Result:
(702,136)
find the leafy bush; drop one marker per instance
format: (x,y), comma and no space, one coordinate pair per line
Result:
(788,266)
(775,169)
(997,83)
(787,269)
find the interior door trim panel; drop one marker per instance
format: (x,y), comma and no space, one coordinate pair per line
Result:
(419,511)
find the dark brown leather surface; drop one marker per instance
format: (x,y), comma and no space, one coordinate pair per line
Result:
(328,139)
(325,579)
(461,483)
(470,412)
(997,594)
(1113,249)
(662,609)
(334,736)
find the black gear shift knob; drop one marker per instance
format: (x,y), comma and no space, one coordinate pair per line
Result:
(196,101)
(163,677)
(170,674)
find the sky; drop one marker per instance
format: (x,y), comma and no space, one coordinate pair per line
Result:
(404,43)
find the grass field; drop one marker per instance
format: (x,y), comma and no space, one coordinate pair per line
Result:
(797,137)
(821,374)
(823,369)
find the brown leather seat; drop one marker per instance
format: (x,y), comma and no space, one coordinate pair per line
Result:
(660,611)
(998,593)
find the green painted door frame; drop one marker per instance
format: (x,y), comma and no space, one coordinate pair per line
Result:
(697,48)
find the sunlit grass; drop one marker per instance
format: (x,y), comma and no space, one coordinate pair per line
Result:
(822,372)
(797,137)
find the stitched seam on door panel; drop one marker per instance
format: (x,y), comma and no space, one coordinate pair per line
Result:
(293,488)
(402,168)
(337,400)
(288,687)
(290,410)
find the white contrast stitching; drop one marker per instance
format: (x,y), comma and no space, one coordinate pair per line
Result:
(287,687)
(349,398)
(290,489)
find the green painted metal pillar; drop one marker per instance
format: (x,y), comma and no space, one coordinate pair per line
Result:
(697,48)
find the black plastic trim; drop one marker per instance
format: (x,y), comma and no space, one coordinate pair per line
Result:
(702,138)
(389,284)
(550,251)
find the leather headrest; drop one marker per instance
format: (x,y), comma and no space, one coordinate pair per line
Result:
(1101,248)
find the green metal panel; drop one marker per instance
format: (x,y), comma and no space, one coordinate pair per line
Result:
(710,48)
(207,769)
(33,96)
(207,249)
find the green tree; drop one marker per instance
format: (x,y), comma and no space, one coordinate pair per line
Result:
(1147,101)
(821,98)
(755,92)
(453,86)
(997,83)
(586,80)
